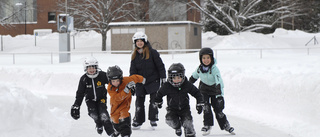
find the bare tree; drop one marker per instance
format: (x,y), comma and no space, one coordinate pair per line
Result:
(7,14)
(11,13)
(168,10)
(97,14)
(160,10)
(232,16)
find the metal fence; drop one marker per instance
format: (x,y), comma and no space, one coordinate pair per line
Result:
(53,55)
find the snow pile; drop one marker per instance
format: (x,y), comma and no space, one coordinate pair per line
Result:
(276,95)
(281,97)
(23,113)
(40,81)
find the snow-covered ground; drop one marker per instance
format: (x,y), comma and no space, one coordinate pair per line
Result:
(277,95)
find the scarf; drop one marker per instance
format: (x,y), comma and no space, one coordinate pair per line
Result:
(204,69)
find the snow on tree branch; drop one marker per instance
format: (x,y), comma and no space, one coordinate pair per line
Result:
(97,14)
(228,17)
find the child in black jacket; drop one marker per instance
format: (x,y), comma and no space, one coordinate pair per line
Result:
(177,89)
(92,88)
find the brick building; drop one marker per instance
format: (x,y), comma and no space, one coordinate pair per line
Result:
(41,14)
(30,15)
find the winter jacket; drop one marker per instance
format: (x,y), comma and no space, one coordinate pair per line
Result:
(92,88)
(119,100)
(177,97)
(152,69)
(211,82)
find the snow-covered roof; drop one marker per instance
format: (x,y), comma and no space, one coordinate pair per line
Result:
(152,23)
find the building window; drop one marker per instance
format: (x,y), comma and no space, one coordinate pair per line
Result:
(51,17)
(195,31)
(19,12)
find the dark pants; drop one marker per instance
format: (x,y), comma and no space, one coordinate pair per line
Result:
(98,112)
(141,92)
(181,118)
(124,126)
(140,110)
(218,105)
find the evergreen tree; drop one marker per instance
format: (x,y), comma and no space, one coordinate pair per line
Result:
(310,21)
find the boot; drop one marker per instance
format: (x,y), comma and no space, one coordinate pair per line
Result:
(178,132)
(153,124)
(189,133)
(114,135)
(136,125)
(228,128)
(99,130)
(206,130)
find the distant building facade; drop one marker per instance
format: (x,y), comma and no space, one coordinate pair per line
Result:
(165,35)
(28,16)
(42,14)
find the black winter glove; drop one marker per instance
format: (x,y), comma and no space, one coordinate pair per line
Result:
(75,112)
(199,107)
(192,80)
(129,86)
(159,104)
(133,90)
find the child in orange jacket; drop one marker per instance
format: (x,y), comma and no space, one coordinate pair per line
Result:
(119,89)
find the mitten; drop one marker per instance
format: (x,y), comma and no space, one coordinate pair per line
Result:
(75,112)
(199,107)
(130,85)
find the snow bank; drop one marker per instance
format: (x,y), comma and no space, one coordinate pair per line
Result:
(42,81)
(281,90)
(24,112)
(278,95)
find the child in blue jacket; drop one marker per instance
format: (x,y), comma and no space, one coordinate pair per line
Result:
(211,87)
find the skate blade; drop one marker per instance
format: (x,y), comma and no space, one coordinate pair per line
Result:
(136,128)
(232,133)
(153,127)
(205,133)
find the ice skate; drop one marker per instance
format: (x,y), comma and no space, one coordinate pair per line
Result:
(136,126)
(153,124)
(190,134)
(229,129)
(115,134)
(99,130)
(178,132)
(206,130)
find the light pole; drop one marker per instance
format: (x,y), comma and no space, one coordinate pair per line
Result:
(67,14)
(25,15)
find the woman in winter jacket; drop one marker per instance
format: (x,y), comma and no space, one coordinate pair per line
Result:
(146,62)
(92,87)
(211,86)
(119,89)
